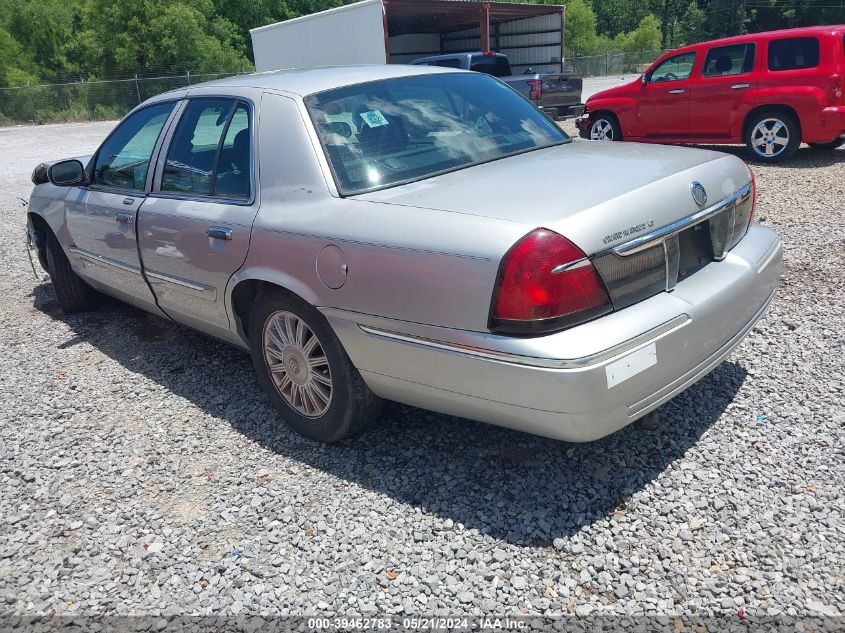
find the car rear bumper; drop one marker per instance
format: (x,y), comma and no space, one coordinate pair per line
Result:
(583,383)
(565,112)
(833,118)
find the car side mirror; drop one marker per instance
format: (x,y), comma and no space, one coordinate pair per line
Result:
(66,173)
(645,78)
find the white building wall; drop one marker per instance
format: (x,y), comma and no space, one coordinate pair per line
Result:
(353,34)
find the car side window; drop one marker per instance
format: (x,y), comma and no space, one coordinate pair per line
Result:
(209,152)
(124,159)
(448,63)
(233,179)
(724,61)
(793,53)
(674,68)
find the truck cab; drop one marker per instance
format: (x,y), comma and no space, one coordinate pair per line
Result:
(558,95)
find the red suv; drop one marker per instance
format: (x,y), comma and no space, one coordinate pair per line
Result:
(768,90)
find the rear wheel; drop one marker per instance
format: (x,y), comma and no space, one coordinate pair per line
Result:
(773,136)
(73,294)
(305,371)
(605,127)
(839,142)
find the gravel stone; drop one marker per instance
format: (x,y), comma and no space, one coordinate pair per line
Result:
(119,429)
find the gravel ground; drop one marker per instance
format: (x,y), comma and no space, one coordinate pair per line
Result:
(142,471)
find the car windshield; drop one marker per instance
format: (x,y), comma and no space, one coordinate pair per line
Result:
(395,131)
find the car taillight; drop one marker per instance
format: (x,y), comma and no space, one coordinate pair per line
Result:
(837,87)
(535,89)
(546,283)
(739,218)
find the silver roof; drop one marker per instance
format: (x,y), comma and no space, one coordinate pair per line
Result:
(306,81)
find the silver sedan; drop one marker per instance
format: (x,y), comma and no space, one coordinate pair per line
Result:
(416,234)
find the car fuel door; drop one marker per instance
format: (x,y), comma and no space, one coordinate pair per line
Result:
(101,216)
(194,228)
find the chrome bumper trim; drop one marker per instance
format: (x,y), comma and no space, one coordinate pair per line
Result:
(651,239)
(530,361)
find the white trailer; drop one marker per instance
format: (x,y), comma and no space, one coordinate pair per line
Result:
(399,31)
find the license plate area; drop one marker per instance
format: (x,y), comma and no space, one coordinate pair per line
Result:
(695,249)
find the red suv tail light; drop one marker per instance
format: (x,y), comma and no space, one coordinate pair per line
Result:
(546,283)
(837,88)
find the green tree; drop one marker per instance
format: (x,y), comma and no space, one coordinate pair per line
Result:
(646,37)
(691,26)
(580,29)
(162,36)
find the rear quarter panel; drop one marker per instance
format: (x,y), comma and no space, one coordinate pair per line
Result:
(402,262)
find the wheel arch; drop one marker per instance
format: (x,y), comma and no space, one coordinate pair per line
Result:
(245,288)
(769,107)
(40,227)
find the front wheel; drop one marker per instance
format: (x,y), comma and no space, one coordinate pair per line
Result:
(73,294)
(839,142)
(305,371)
(773,136)
(605,127)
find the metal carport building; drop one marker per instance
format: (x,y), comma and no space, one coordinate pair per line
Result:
(399,31)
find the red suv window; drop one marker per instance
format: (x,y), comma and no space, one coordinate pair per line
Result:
(729,60)
(794,53)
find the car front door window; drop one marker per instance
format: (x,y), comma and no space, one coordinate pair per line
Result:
(675,68)
(124,159)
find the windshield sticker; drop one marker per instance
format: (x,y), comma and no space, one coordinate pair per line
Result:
(374,118)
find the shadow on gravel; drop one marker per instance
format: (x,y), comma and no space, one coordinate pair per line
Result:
(524,489)
(805,158)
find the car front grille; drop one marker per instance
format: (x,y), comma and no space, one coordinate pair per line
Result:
(656,262)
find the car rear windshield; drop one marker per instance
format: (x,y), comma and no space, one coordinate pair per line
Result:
(389,132)
(495,65)
(794,53)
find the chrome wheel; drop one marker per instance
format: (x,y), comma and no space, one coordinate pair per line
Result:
(298,364)
(770,137)
(601,130)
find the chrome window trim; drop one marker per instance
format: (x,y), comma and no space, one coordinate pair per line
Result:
(100,259)
(530,361)
(651,239)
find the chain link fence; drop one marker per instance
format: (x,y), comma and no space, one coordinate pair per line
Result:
(112,99)
(87,100)
(613,63)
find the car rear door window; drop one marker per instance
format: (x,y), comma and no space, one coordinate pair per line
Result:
(793,53)
(674,68)
(124,159)
(209,152)
(724,61)
(448,63)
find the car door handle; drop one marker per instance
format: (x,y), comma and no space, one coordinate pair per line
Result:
(677,91)
(739,86)
(124,218)
(219,233)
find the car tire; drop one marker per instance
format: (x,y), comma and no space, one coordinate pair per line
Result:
(834,144)
(73,294)
(773,136)
(604,127)
(305,371)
